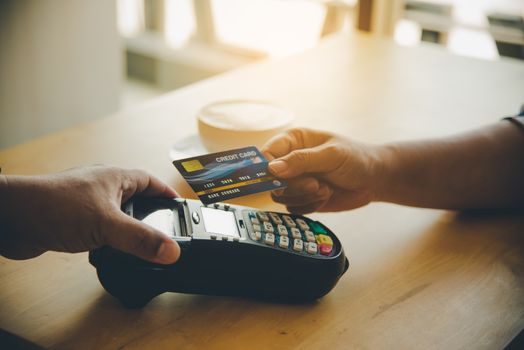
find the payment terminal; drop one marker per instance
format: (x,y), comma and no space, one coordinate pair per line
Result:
(225,250)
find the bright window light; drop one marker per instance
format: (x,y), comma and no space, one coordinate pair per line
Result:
(470,13)
(179,22)
(276,27)
(472,43)
(130,17)
(407,33)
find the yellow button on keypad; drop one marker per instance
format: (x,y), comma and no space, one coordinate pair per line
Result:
(323,239)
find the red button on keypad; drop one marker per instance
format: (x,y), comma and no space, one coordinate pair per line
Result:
(325,249)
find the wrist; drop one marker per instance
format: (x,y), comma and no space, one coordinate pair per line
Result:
(384,172)
(16,192)
(4,197)
(18,203)
(5,216)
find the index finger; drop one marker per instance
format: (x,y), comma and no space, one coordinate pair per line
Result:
(277,146)
(293,139)
(147,185)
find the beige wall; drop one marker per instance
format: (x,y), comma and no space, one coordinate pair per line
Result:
(60,64)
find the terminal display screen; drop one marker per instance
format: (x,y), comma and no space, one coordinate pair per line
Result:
(220,222)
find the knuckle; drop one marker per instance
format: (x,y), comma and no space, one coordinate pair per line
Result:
(298,136)
(336,155)
(125,178)
(295,131)
(139,172)
(140,176)
(332,153)
(300,157)
(99,166)
(332,149)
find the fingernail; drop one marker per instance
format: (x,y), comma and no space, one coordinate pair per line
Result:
(167,253)
(278,192)
(323,191)
(268,155)
(170,192)
(278,166)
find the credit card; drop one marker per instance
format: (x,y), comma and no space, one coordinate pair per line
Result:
(224,175)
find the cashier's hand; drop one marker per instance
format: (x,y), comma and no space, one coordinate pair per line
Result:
(325,172)
(79,210)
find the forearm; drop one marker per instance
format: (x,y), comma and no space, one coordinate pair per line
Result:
(480,169)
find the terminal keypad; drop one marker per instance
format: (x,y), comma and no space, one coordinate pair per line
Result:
(294,234)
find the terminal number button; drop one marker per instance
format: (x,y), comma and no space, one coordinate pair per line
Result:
(283,242)
(275,218)
(311,248)
(282,230)
(310,237)
(269,239)
(302,224)
(289,222)
(262,216)
(268,227)
(298,245)
(295,232)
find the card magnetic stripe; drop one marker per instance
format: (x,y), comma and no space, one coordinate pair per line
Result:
(238,184)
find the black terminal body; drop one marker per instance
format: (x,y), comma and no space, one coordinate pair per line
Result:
(226,250)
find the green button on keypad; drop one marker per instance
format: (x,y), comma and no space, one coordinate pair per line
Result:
(317,228)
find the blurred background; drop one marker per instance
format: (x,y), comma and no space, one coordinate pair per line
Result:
(64,62)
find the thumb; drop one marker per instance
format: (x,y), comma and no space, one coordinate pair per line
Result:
(132,236)
(320,159)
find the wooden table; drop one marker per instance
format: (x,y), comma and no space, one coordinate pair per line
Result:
(418,278)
